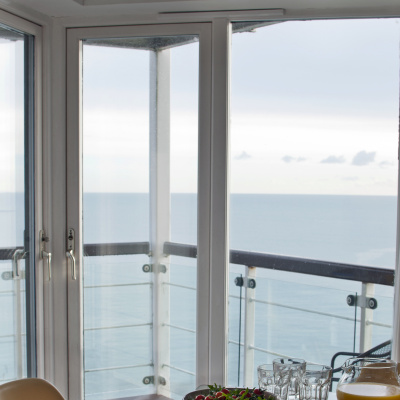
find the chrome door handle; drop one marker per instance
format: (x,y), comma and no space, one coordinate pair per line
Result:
(48,256)
(18,254)
(70,255)
(43,239)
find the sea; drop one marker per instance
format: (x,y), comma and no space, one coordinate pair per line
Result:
(295,315)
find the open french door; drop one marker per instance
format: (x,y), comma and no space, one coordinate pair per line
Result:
(138,163)
(20,216)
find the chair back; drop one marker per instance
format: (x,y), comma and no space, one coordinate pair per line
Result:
(29,389)
(383,350)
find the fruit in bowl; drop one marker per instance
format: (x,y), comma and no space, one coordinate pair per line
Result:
(215,392)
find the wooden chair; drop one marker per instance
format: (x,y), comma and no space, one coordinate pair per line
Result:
(29,389)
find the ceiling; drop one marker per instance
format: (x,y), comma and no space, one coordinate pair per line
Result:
(96,8)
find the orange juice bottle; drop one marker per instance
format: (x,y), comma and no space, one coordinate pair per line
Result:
(368,391)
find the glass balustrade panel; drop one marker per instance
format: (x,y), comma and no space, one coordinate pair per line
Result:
(16,204)
(314,132)
(140,134)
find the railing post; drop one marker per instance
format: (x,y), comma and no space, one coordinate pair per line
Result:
(367,313)
(160,213)
(249,327)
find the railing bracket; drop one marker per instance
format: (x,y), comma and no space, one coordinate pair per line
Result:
(251,283)
(361,301)
(239,281)
(150,268)
(147,380)
(147,268)
(7,275)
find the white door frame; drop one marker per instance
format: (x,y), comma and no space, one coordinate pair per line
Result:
(30,28)
(212,245)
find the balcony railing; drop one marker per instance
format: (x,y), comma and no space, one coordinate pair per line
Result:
(367,276)
(358,273)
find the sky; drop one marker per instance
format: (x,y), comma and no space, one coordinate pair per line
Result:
(314,110)
(11,116)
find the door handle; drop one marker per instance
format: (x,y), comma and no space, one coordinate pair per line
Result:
(70,255)
(18,254)
(48,256)
(43,239)
(70,251)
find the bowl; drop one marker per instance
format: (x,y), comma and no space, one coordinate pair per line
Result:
(205,392)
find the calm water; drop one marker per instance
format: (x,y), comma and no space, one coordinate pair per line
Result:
(350,229)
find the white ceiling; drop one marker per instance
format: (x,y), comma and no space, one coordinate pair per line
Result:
(96,8)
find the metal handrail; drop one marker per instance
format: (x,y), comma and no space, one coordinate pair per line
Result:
(8,252)
(358,273)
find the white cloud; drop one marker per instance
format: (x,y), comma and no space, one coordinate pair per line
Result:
(385,164)
(289,159)
(364,158)
(243,156)
(333,160)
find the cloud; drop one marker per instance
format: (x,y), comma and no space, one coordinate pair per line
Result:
(333,160)
(363,158)
(289,159)
(243,156)
(385,164)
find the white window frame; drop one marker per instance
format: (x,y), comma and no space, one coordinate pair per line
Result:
(214,198)
(35,30)
(212,242)
(52,350)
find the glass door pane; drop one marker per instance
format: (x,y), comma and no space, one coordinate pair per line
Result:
(314,158)
(17,249)
(139,163)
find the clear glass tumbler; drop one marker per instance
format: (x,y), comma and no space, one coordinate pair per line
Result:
(296,366)
(314,382)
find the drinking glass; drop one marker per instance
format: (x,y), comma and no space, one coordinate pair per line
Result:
(296,366)
(266,381)
(315,382)
(274,380)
